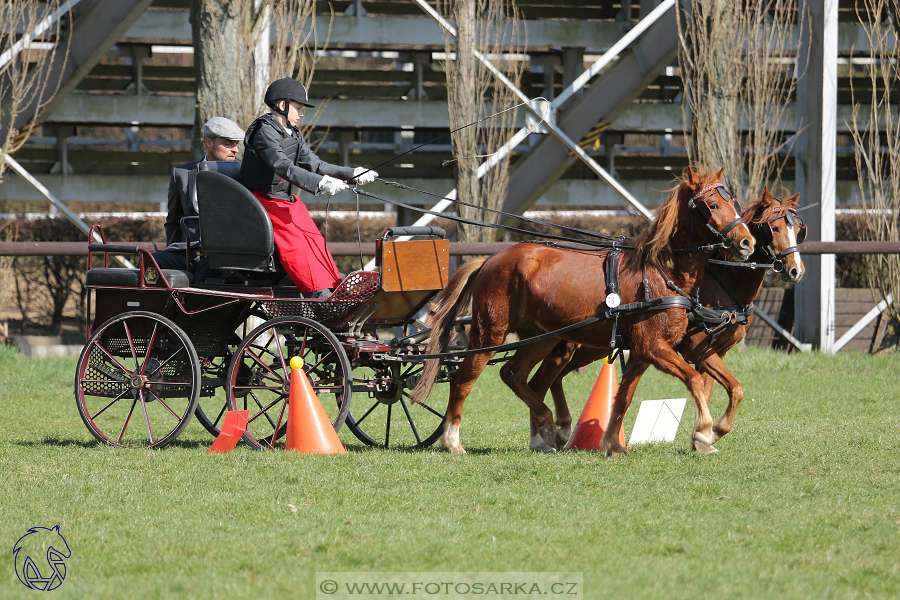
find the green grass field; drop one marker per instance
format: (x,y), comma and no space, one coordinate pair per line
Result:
(802,500)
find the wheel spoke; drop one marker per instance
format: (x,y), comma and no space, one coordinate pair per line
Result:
(409,418)
(262,364)
(164,404)
(363,418)
(387,427)
(303,343)
(150,343)
(114,400)
(284,364)
(221,412)
(131,345)
(170,383)
(277,427)
(257,387)
(127,419)
(321,359)
(113,381)
(431,409)
(146,416)
(165,362)
(112,358)
(264,411)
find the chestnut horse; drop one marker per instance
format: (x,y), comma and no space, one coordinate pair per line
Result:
(778,232)
(531,289)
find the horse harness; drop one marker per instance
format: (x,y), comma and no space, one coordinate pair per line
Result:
(712,320)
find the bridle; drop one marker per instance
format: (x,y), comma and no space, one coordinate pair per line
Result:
(767,235)
(699,206)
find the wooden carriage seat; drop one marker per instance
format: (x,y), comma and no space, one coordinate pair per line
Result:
(235,229)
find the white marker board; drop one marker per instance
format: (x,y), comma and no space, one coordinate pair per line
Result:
(657,421)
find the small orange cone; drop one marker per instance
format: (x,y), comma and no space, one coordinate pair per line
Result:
(233,427)
(594,418)
(309,430)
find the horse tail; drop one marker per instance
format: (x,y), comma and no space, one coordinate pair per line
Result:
(455,296)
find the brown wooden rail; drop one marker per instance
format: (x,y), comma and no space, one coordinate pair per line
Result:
(456,248)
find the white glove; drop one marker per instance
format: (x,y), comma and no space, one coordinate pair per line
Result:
(330,185)
(364,175)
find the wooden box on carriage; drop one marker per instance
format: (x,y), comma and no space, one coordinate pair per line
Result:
(412,272)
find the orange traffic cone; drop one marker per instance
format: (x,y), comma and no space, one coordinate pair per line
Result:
(594,418)
(309,429)
(233,427)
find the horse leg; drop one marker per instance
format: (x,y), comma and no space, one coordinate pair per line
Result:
(667,360)
(714,368)
(634,369)
(514,374)
(582,357)
(548,378)
(460,387)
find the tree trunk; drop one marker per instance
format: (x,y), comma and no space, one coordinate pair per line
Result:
(464,107)
(222,61)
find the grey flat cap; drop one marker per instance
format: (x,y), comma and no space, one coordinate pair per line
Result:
(222,127)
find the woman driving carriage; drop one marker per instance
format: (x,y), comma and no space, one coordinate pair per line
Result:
(276,157)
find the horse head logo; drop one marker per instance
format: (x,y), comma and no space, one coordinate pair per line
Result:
(40,558)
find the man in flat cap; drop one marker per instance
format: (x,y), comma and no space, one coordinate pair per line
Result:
(276,157)
(220,138)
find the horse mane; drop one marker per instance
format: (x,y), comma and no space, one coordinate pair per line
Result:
(657,238)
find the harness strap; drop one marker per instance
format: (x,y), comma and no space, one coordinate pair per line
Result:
(721,284)
(511,346)
(731,263)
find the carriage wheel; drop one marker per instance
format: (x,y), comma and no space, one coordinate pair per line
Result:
(259,376)
(138,381)
(211,409)
(389,418)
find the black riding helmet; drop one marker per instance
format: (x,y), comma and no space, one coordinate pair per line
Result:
(286,89)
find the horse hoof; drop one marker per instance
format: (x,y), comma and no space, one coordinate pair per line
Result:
(457,450)
(562,438)
(548,437)
(616,450)
(702,449)
(539,445)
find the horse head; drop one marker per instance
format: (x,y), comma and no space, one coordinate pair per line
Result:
(779,231)
(715,214)
(39,557)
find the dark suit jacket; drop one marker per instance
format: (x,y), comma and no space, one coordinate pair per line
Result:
(182,203)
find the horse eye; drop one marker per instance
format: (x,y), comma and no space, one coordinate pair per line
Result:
(714,206)
(775,228)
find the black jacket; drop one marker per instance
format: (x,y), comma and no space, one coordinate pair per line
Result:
(182,203)
(274,159)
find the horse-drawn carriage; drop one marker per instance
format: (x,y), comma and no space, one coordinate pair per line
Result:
(163,348)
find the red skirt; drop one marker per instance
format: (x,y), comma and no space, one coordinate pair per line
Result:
(300,246)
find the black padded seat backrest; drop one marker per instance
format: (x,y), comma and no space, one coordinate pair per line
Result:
(231,168)
(235,229)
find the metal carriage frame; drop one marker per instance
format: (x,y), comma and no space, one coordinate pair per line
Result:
(162,349)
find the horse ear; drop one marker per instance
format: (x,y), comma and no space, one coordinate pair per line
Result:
(767,195)
(793,199)
(692,175)
(719,174)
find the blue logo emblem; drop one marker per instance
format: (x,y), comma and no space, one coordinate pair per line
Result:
(40,558)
